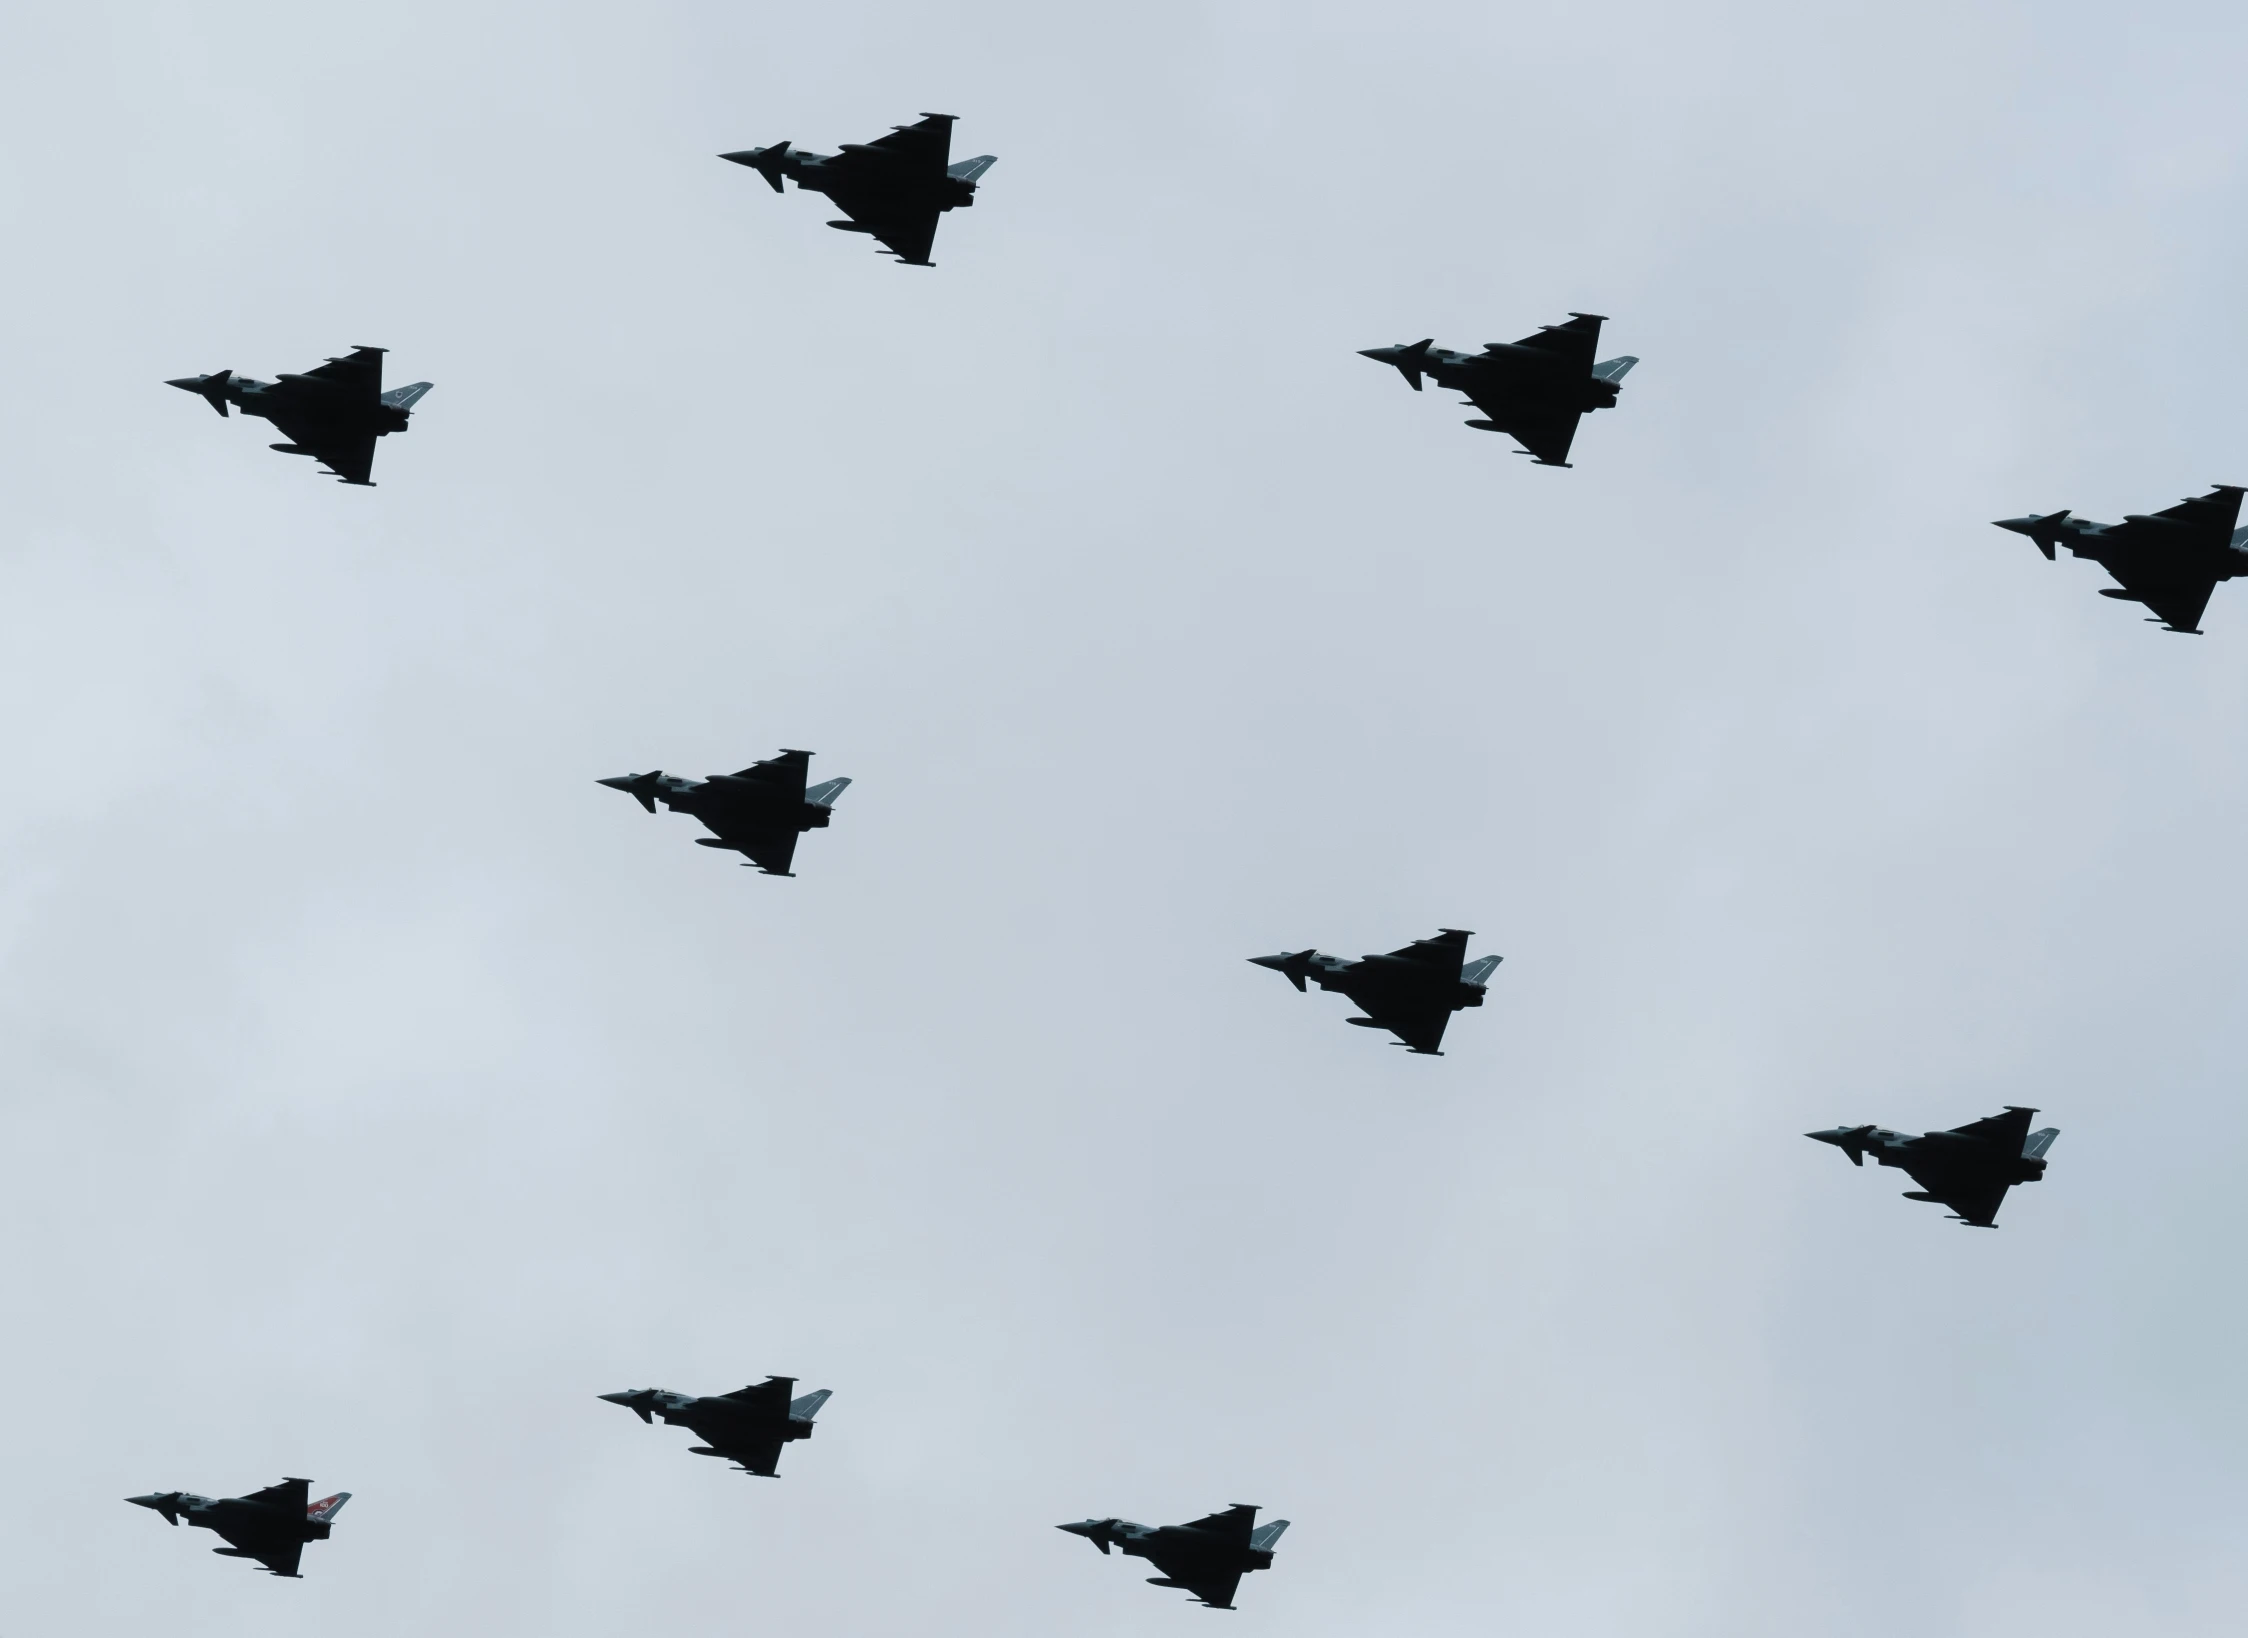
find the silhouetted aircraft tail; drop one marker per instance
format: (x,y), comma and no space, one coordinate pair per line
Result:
(1615,369)
(1479,971)
(321,1511)
(969,169)
(804,1409)
(2039,1142)
(1266,1534)
(406,397)
(825,793)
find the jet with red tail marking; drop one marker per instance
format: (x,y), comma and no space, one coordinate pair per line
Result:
(270,1525)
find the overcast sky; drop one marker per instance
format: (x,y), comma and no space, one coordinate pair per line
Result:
(380,1089)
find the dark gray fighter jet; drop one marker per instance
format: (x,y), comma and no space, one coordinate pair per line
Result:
(1968,1168)
(2170,560)
(893,188)
(759,811)
(270,1525)
(1534,390)
(747,1426)
(1207,1558)
(334,413)
(1412,992)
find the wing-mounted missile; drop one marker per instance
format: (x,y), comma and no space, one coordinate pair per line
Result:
(2047,531)
(770,163)
(1410,361)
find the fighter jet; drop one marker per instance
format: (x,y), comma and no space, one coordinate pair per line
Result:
(2170,561)
(1207,1558)
(759,811)
(1412,992)
(1968,1168)
(333,413)
(893,188)
(746,1427)
(270,1525)
(1533,390)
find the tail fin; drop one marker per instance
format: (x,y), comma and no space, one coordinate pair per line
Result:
(1615,369)
(804,1409)
(320,1512)
(1266,1534)
(823,794)
(406,397)
(1479,971)
(969,169)
(2039,1142)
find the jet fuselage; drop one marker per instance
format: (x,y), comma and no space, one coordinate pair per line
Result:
(723,794)
(1557,379)
(819,172)
(298,395)
(1904,1150)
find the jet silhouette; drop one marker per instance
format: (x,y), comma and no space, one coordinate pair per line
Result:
(1534,390)
(758,812)
(746,1427)
(270,1525)
(1412,992)
(1968,1168)
(333,413)
(893,188)
(2169,560)
(1207,1558)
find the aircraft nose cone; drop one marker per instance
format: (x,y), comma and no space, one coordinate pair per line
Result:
(629,1395)
(2020,526)
(620,782)
(1278,963)
(187,383)
(1380,355)
(747,156)
(1083,1527)
(152,1501)
(1834,1136)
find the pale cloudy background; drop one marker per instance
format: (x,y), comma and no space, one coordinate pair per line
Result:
(380,1089)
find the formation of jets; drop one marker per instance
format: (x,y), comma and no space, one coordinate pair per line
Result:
(1536,391)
